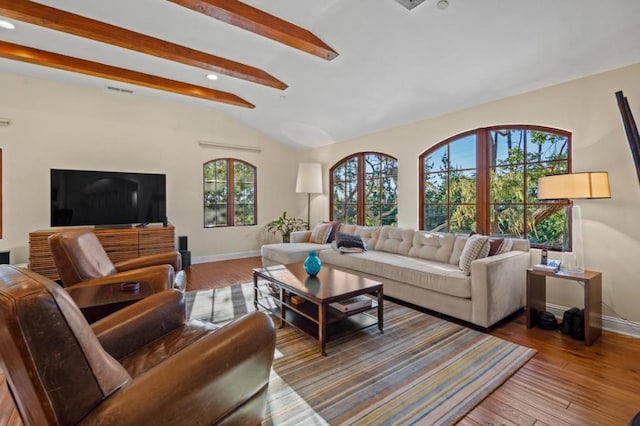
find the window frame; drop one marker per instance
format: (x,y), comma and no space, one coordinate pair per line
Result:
(230,185)
(483,168)
(360,184)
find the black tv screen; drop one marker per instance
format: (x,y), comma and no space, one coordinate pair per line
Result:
(83,197)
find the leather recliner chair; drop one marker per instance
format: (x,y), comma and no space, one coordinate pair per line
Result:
(144,364)
(81,260)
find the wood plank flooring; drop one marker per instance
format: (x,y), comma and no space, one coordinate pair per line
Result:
(566,383)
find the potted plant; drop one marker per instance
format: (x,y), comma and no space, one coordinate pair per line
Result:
(285,225)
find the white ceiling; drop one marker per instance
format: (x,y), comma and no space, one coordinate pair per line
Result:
(395,66)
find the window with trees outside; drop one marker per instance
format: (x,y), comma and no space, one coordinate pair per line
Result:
(486,181)
(364,189)
(229,193)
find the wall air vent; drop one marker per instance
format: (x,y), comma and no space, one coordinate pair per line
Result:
(119,89)
(410,4)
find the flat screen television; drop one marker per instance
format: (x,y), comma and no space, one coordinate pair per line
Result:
(84,197)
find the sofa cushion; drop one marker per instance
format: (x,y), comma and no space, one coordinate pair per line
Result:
(320,233)
(432,245)
(395,240)
(286,253)
(369,234)
(458,246)
(422,273)
(476,247)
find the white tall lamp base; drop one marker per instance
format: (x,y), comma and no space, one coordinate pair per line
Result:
(573,261)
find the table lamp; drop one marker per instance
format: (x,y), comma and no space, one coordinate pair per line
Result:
(572,186)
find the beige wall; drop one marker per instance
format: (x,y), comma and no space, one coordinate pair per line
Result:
(56,125)
(61,126)
(585,107)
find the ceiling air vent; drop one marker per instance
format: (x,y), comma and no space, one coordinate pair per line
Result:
(119,89)
(410,4)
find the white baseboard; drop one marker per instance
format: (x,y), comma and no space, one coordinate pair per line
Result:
(226,256)
(609,323)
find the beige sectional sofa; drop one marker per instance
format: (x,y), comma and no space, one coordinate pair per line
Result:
(422,268)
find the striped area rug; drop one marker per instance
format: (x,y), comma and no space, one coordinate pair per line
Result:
(422,370)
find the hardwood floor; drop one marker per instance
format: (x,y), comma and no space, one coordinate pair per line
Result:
(566,383)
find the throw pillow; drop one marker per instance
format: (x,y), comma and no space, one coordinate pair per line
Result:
(349,241)
(334,229)
(494,245)
(476,247)
(506,246)
(320,233)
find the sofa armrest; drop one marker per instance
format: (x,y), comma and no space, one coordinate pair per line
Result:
(159,277)
(300,237)
(498,286)
(172,258)
(205,383)
(135,325)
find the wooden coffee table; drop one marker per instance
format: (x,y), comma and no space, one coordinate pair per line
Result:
(312,314)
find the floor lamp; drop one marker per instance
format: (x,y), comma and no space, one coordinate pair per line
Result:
(309,181)
(573,186)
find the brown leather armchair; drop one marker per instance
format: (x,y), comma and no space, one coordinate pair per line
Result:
(145,364)
(81,260)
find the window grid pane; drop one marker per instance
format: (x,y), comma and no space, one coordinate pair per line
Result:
(221,194)
(368,181)
(517,157)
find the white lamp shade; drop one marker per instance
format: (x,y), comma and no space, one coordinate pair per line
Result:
(309,178)
(574,186)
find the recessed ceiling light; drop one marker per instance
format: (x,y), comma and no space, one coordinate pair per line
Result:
(442,4)
(212,76)
(7,25)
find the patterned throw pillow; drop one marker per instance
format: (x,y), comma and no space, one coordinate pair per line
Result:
(494,245)
(506,246)
(476,247)
(499,245)
(334,229)
(320,233)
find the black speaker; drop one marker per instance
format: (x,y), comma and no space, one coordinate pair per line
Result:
(182,243)
(4,257)
(186,258)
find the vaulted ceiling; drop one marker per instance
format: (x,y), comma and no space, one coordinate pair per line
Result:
(314,72)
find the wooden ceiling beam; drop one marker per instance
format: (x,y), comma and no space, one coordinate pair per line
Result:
(255,20)
(67,63)
(70,23)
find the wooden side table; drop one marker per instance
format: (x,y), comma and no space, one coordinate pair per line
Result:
(592,283)
(98,301)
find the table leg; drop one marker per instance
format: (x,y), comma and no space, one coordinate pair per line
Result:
(255,291)
(282,308)
(592,309)
(322,327)
(380,311)
(536,297)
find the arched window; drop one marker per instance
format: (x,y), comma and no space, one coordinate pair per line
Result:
(229,193)
(486,181)
(364,189)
